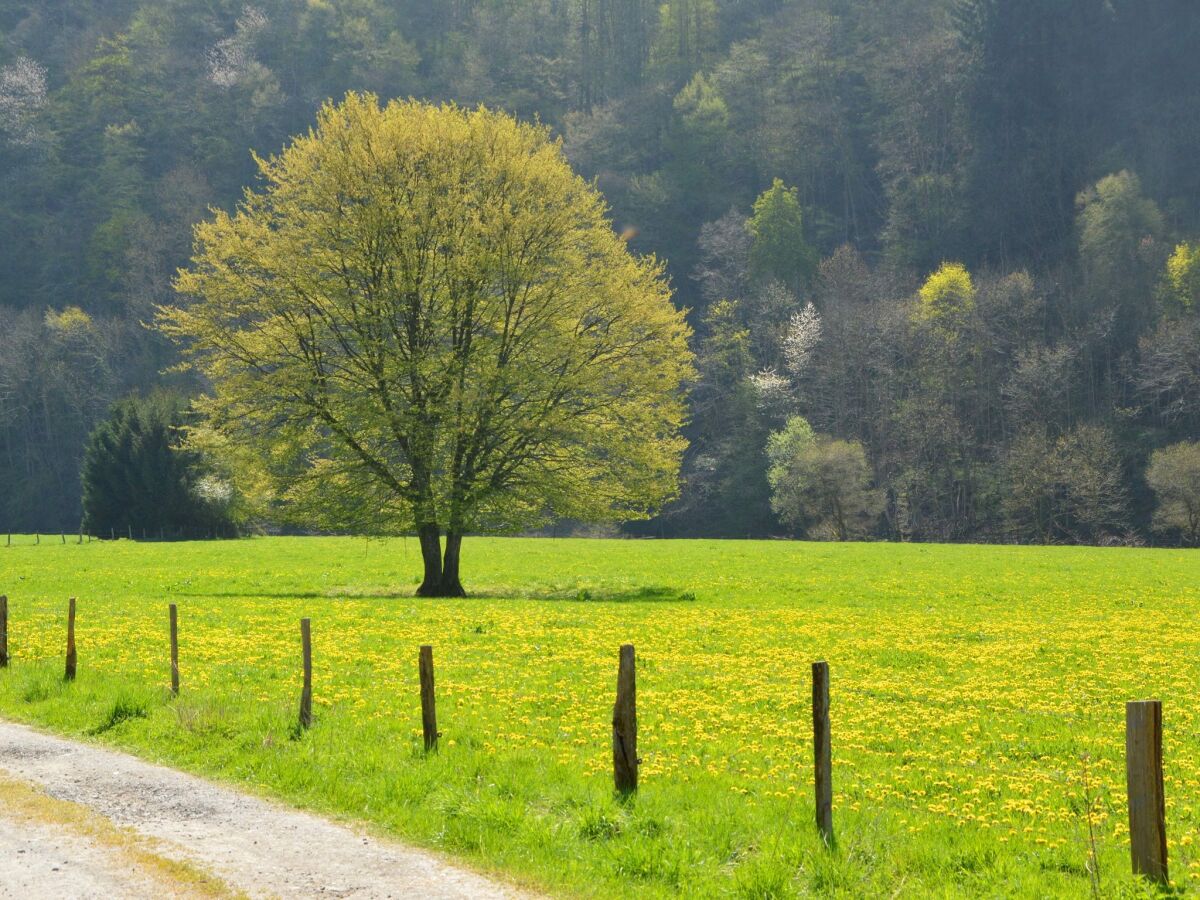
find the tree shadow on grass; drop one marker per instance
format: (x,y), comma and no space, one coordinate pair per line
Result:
(651,593)
(410,594)
(654,593)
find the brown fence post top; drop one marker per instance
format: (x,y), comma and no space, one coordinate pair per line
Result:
(822,751)
(429,729)
(174,626)
(1144,784)
(69,674)
(3,631)
(306,692)
(624,724)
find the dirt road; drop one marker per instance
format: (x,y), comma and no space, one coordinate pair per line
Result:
(81,821)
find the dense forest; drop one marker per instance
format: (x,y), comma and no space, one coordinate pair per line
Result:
(957,240)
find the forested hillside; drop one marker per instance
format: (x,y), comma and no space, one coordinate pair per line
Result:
(960,238)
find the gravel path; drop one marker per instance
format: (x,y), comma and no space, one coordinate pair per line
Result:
(255,846)
(48,861)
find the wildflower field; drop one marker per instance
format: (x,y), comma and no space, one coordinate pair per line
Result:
(977,701)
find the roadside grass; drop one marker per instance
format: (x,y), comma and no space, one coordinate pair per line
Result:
(969,684)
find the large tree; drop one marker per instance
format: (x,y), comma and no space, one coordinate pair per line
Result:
(425,320)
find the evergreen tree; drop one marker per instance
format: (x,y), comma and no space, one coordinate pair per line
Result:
(137,480)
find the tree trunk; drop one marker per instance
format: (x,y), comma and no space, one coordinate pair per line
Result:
(441,572)
(451,585)
(431,553)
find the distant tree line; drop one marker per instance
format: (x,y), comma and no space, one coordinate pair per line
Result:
(959,240)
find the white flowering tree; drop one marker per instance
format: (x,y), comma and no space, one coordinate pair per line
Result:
(22,97)
(776,390)
(231,58)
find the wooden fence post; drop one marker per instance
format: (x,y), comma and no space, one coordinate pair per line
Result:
(624,734)
(174,615)
(3,631)
(1144,781)
(69,675)
(428,698)
(822,752)
(306,693)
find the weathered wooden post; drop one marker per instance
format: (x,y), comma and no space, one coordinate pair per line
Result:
(428,698)
(1144,781)
(306,693)
(624,735)
(70,671)
(822,752)
(3,631)
(174,616)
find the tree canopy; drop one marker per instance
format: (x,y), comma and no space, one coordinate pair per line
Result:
(778,249)
(1174,476)
(425,320)
(819,484)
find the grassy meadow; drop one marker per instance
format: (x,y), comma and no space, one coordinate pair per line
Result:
(977,701)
